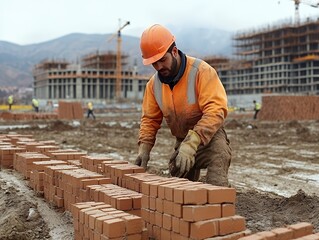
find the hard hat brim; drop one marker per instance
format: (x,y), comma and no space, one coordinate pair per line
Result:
(155,58)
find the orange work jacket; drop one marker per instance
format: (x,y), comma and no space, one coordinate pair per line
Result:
(198,101)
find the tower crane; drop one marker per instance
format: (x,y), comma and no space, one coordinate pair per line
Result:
(118,82)
(297,3)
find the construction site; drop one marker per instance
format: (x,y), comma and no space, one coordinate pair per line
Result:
(65,176)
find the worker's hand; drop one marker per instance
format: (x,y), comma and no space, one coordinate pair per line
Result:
(185,155)
(143,155)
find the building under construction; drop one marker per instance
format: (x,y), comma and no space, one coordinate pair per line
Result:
(94,78)
(282,59)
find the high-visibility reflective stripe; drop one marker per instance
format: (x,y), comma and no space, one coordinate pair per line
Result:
(158,91)
(191,96)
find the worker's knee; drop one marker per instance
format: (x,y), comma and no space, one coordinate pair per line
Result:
(217,172)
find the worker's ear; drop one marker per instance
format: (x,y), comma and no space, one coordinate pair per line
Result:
(175,51)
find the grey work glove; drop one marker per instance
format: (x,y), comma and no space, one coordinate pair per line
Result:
(183,159)
(143,156)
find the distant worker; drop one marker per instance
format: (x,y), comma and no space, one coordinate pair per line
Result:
(10,102)
(90,110)
(188,93)
(35,104)
(257,107)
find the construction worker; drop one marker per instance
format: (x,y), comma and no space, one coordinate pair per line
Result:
(257,107)
(10,102)
(188,93)
(90,110)
(35,104)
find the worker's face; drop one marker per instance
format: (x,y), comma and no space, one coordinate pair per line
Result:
(167,65)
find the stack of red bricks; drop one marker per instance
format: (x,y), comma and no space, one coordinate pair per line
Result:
(175,208)
(51,190)
(289,108)
(97,220)
(37,173)
(71,183)
(70,110)
(23,162)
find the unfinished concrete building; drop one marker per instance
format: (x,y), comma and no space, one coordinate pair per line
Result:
(94,78)
(282,59)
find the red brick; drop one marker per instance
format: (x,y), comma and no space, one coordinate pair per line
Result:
(193,213)
(283,233)
(228,210)
(184,228)
(301,229)
(195,195)
(204,229)
(268,235)
(167,221)
(175,224)
(114,228)
(221,195)
(165,234)
(158,219)
(159,205)
(231,225)
(133,224)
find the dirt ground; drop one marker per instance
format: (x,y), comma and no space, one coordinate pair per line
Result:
(274,170)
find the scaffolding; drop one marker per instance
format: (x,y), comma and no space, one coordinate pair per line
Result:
(280,59)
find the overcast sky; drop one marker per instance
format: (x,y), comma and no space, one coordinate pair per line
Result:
(33,21)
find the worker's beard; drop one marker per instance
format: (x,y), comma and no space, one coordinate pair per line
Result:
(167,75)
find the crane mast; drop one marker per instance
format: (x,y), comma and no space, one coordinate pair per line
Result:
(118,72)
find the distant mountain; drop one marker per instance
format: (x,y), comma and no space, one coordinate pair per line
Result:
(17,62)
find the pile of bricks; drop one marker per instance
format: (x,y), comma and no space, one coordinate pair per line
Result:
(70,110)
(17,116)
(114,199)
(175,208)
(286,108)
(97,220)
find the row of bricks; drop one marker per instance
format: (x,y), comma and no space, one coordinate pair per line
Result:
(300,231)
(27,116)
(164,234)
(194,230)
(189,212)
(118,197)
(94,163)
(181,190)
(105,222)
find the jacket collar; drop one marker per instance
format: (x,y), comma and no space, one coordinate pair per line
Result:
(172,81)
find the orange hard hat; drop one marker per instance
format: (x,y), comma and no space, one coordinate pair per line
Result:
(155,42)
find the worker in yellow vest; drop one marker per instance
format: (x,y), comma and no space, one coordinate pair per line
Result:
(10,102)
(35,104)
(90,110)
(257,107)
